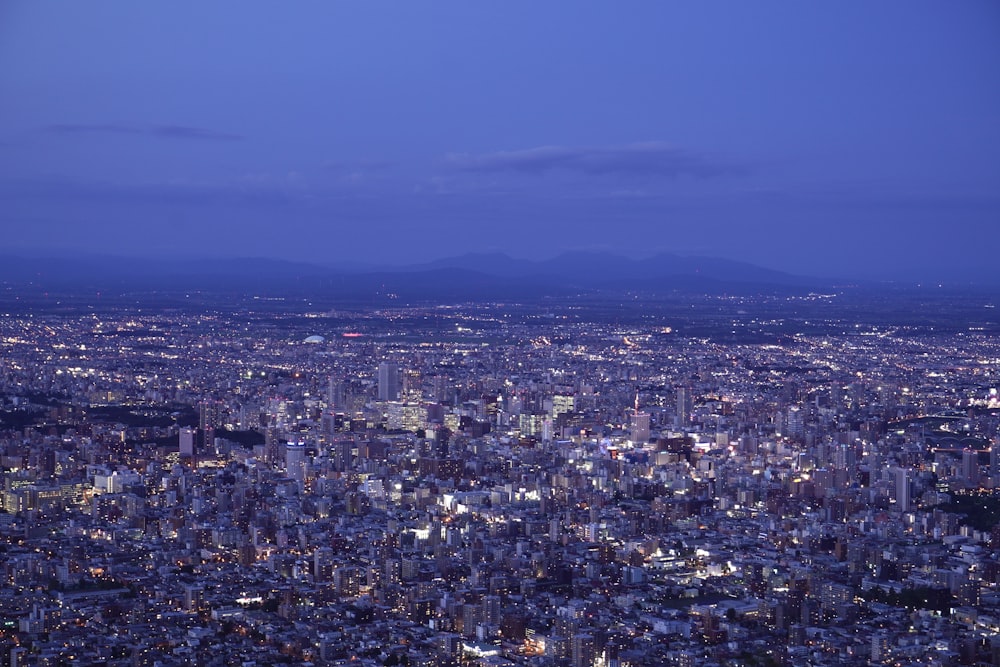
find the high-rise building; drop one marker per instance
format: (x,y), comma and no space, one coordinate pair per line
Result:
(336,395)
(186,440)
(902,479)
(640,427)
(683,407)
(388,381)
(295,457)
(208,417)
(795,422)
(970,467)
(640,424)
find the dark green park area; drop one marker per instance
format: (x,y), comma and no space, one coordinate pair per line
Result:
(981,512)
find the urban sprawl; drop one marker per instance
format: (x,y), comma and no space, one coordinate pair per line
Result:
(490,485)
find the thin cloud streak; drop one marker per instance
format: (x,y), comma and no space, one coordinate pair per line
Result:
(652,158)
(183,132)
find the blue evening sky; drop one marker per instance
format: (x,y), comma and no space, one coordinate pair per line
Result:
(856,139)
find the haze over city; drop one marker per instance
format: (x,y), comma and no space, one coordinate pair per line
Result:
(851,140)
(464,334)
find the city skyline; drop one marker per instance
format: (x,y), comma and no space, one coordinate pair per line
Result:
(499,334)
(835,141)
(741,480)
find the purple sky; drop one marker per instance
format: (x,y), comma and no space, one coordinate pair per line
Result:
(857,139)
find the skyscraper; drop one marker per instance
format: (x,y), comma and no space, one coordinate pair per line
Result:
(902,480)
(970,467)
(683,407)
(336,395)
(795,422)
(208,415)
(295,458)
(388,381)
(640,427)
(640,423)
(186,442)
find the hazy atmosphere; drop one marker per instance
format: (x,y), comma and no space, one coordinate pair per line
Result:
(356,333)
(842,139)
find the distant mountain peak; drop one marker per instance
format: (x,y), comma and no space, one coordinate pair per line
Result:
(486,274)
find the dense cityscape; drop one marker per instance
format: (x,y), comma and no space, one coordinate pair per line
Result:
(499,334)
(498,484)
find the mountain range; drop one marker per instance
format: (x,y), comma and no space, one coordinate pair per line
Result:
(470,276)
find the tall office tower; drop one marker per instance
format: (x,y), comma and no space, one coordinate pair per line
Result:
(412,382)
(295,457)
(795,422)
(683,406)
(336,398)
(272,446)
(186,442)
(902,480)
(640,427)
(388,381)
(845,458)
(548,430)
(208,415)
(970,467)
(640,424)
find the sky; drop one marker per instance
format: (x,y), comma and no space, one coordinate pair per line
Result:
(849,139)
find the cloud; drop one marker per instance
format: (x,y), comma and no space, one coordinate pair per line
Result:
(160,131)
(150,193)
(653,158)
